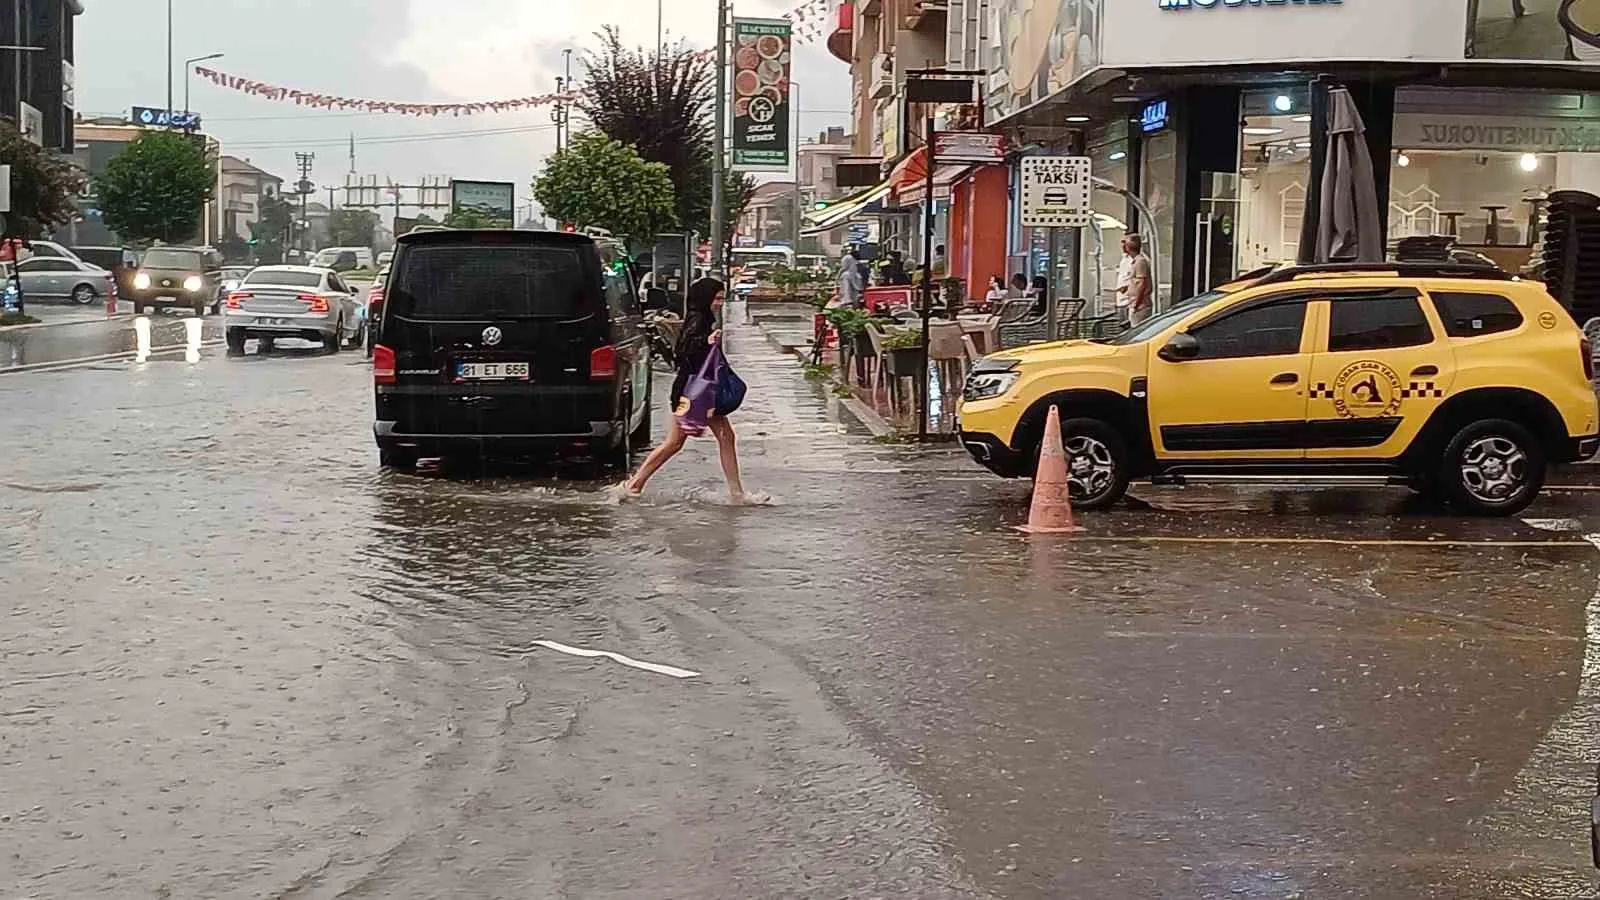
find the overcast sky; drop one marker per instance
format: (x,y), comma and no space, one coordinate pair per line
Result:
(423,51)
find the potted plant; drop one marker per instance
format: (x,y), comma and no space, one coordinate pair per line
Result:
(904,353)
(852,327)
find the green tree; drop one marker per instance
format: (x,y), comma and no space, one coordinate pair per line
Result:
(598,182)
(352,227)
(43,186)
(468,217)
(156,189)
(658,102)
(270,231)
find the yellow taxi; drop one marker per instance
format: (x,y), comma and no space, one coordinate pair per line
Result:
(1458,381)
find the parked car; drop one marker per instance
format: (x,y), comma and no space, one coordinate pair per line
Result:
(48,248)
(385,258)
(185,277)
(58,278)
(307,302)
(1461,382)
(344,259)
(123,262)
(502,343)
(374,307)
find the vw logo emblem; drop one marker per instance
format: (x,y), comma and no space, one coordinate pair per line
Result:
(491,336)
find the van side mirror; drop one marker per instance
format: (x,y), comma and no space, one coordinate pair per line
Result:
(1180,347)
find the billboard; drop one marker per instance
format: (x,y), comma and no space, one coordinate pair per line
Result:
(496,200)
(1038,47)
(763,50)
(156,117)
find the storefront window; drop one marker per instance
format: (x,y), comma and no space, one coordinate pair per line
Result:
(1274,175)
(1158,185)
(1101,247)
(1477,164)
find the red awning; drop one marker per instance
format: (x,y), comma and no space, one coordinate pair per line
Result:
(913,170)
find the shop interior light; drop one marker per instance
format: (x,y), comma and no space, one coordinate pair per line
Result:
(1261,130)
(1077,120)
(1404,160)
(1302,119)
(1283,103)
(1120,154)
(1529,162)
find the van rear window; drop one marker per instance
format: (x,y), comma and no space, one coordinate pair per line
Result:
(488,281)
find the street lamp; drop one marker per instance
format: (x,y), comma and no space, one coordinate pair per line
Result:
(188,69)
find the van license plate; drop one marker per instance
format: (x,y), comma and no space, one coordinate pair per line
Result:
(491,371)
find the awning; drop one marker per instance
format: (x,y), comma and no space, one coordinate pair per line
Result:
(839,212)
(943,178)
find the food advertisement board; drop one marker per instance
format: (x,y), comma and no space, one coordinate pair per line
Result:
(763,54)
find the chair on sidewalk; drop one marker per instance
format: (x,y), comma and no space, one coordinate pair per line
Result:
(881,369)
(947,349)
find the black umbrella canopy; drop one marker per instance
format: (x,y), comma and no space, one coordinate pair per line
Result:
(1350,228)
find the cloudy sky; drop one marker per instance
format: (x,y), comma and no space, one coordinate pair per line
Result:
(424,51)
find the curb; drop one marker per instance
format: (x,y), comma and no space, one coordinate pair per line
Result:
(126,355)
(8,329)
(861,412)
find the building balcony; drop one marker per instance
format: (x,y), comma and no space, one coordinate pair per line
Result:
(880,82)
(841,43)
(923,15)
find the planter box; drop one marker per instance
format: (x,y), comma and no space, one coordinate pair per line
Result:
(904,362)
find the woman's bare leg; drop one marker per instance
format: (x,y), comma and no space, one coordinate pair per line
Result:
(658,457)
(728,450)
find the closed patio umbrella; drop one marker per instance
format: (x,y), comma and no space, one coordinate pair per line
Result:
(1349,229)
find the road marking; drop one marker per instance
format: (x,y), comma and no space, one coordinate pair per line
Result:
(1337,542)
(657,668)
(1555,524)
(1572,487)
(1336,635)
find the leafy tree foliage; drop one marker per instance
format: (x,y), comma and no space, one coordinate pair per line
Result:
(271,229)
(352,227)
(660,104)
(468,217)
(43,186)
(596,181)
(156,188)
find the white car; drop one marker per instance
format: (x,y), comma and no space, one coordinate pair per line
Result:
(307,302)
(48,248)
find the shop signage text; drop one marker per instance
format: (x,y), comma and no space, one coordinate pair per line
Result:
(1154,117)
(1525,134)
(1208,4)
(969,147)
(1055,192)
(762,141)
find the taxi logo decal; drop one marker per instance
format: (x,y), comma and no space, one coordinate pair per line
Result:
(1367,390)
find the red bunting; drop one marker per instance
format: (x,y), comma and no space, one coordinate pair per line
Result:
(810,19)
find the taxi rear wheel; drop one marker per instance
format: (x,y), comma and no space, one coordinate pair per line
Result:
(1492,467)
(1097,462)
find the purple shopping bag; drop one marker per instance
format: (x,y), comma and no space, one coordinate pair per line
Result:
(699,400)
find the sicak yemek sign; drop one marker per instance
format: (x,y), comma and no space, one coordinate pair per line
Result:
(762,55)
(1055,192)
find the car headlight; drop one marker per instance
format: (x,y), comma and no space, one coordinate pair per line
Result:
(141,281)
(988,385)
(193,283)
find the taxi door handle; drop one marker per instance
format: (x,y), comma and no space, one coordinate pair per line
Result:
(1285,378)
(1424,371)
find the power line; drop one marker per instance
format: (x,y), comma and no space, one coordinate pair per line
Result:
(390,139)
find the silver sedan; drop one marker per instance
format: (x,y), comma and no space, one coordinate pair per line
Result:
(306,302)
(60,278)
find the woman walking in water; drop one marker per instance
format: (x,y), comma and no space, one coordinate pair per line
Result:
(699,333)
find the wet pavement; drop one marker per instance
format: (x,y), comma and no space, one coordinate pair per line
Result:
(237,660)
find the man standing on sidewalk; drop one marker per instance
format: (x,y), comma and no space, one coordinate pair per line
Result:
(1134,287)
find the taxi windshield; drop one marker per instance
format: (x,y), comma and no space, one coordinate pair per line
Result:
(1153,326)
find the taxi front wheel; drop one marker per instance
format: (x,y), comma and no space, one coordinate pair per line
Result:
(1492,467)
(1097,462)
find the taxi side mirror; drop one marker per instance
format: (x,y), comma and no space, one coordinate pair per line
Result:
(1180,347)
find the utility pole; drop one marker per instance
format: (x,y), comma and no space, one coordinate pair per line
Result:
(304,187)
(719,161)
(799,200)
(352,153)
(169,57)
(559,114)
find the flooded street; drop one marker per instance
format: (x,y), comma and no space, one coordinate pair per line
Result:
(237,660)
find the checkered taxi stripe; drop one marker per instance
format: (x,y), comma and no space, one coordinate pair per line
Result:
(1322,391)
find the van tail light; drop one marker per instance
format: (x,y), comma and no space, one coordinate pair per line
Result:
(382,365)
(318,302)
(238,297)
(603,363)
(1587,349)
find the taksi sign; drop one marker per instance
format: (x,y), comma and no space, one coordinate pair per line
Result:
(1055,192)
(1209,4)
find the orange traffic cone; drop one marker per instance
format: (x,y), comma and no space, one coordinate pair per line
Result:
(1051,512)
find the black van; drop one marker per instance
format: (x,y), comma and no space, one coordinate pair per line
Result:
(499,343)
